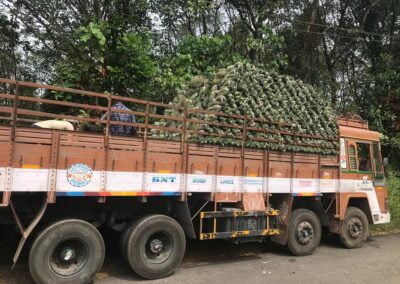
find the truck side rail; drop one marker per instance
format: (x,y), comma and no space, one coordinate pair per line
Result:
(12,103)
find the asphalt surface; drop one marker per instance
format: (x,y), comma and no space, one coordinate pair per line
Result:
(377,262)
(224,262)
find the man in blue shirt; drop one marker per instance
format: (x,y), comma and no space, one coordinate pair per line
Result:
(122,130)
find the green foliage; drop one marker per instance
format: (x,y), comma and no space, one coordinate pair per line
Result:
(394,197)
(126,69)
(195,56)
(393,182)
(349,50)
(247,90)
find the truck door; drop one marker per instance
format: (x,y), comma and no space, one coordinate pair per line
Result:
(359,164)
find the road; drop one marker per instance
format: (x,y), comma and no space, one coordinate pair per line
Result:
(224,262)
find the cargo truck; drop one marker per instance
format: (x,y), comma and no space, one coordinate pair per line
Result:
(60,186)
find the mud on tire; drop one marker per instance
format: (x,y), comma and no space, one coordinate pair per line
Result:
(355,228)
(304,232)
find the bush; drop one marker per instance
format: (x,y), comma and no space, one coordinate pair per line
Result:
(393,182)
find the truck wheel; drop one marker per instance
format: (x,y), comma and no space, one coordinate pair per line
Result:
(304,233)
(155,246)
(355,228)
(68,251)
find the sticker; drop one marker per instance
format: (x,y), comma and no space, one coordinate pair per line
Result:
(252,184)
(227,184)
(158,182)
(79,175)
(199,183)
(343,162)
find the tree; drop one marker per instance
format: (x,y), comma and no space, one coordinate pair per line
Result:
(194,56)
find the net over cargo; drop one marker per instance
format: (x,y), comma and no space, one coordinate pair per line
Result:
(273,111)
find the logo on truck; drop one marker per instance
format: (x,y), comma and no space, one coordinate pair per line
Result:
(79,175)
(163,179)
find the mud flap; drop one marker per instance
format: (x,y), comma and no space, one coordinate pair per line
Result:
(182,215)
(285,209)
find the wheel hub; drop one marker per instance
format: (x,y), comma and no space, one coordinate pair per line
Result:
(156,245)
(67,254)
(69,257)
(355,228)
(159,247)
(305,233)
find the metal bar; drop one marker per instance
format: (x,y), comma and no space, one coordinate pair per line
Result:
(26,233)
(53,88)
(6,96)
(106,143)
(227,214)
(60,116)
(201,208)
(61,103)
(144,146)
(15,113)
(7,193)
(260,139)
(242,153)
(52,179)
(184,155)
(291,171)
(238,234)
(190,110)
(144,102)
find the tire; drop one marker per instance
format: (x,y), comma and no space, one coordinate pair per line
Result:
(304,233)
(154,246)
(355,228)
(123,242)
(68,251)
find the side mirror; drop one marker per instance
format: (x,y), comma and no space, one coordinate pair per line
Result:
(386,161)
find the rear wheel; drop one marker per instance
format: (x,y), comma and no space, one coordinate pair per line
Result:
(304,233)
(355,228)
(154,246)
(69,251)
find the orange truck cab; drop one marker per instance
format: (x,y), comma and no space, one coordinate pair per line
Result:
(362,173)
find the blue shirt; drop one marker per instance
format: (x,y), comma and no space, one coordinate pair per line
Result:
(123,130)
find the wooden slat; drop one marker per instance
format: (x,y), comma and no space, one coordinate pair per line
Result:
(53,88)
(61,103)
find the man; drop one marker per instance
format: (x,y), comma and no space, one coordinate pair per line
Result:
(122,130)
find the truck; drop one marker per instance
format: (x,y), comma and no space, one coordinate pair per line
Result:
(59,187)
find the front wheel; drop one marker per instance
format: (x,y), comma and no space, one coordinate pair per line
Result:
(355,228)
(69,251)
(154,246)
(304,233)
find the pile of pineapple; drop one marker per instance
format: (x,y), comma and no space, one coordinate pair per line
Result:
(284,109)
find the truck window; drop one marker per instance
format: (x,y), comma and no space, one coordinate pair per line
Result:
(364,157)
(352,158)
(377,158)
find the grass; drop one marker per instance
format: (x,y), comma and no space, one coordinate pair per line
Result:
(393,181)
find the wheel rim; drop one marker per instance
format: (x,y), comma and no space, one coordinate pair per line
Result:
(69,257)
(159,247)
(355,228)
(304,233)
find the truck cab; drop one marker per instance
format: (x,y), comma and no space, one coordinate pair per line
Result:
(361,170)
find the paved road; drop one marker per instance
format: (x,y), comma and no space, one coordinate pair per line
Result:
(377,262)
(223,262)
